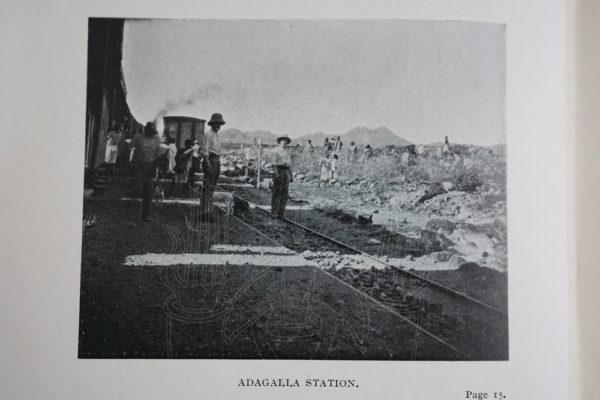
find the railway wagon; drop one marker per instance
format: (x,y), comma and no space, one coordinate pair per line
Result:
(183,128)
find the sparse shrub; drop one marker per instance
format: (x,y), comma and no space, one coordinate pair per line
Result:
(417,173)
(467,181)
(475,169)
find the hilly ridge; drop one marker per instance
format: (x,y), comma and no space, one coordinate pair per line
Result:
(377,137)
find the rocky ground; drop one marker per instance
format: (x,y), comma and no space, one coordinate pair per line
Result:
(461,200)
(472,234)
(443,218)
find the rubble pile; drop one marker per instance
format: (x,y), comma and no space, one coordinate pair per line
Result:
(236,165)
(335,260)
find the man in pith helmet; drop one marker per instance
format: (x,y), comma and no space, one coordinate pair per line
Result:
(282,161)
(211,162)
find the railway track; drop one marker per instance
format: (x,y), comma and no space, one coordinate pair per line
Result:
(468,326)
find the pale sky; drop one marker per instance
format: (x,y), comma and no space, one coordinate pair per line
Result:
(422,79)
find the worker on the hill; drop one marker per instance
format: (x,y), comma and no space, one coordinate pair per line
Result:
(211,163)
(145,162)
(248,155)
(352,152)
(334,169)
(338,146)
(446,146)
(367,152)
(309,149)
(325,165)
(282,176)
(404,158)
(327,146)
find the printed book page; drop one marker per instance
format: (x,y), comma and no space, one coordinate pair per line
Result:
(323,200)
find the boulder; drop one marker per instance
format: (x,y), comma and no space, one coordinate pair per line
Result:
(365,219)
(469,268)
(435,188)
(448,186)
(441,256)
(436,224)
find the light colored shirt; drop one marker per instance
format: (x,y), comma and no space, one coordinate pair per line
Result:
(114,137)
(210,144)
(171,156)
(196,150)
(281,156)
(333,165)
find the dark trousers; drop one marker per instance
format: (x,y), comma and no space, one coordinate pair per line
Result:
(281,186)
(211,169)
(194,168)
(144,183)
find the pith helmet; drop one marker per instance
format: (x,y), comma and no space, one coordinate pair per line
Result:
(284,137)
(216,118)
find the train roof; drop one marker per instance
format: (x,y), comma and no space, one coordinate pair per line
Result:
(184,118)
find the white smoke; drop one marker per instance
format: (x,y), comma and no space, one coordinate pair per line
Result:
(172,107)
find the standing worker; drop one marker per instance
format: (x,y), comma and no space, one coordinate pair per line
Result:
(352,152)
(338,146)
(327,146)
(446,146)
(211,163)
(367,152)
(309,149)
(334,169)
(145,161)
(282,160)
(325,165)
(247,159)
(195,163)
(113,139)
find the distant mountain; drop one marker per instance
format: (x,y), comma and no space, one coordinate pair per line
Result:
(317,138)
(233,135)
(378,137)
(267,137)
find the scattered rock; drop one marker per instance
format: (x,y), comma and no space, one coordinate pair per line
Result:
(444,224)
(448,186)
(441,256)
(469,267)
(436,188)
(365,220)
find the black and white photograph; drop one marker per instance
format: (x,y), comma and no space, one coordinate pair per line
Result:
(301,189)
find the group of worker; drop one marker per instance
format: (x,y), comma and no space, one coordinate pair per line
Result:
(147,151)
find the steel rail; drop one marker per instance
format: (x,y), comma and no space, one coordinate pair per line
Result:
(435,284)
(360,293)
